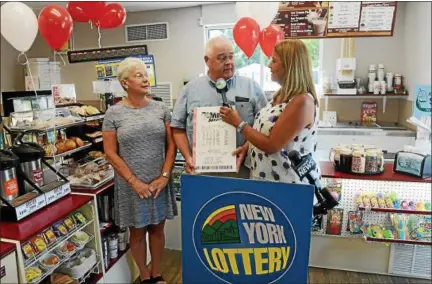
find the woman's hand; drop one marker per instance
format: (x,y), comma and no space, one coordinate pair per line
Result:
(158,185)
(241,153)
(230,116)
(141,189)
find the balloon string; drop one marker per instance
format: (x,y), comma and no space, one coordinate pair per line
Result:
(27,63)
(61,57)
(99,37)
(91,24)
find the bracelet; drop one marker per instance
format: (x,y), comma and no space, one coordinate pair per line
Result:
(241,126)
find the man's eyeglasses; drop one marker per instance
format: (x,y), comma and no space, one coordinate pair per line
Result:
(222,58)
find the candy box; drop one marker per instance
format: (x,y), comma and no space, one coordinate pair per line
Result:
(38,243)
(49,236)
(28,250)
(60,229)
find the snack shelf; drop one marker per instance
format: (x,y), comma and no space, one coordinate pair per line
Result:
(392,210)
(113,261)
(67,153)
(408,242)
(55,245)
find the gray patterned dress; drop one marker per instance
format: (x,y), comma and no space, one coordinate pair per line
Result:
(141,138)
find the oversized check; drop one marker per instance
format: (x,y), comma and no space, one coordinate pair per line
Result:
(213,142)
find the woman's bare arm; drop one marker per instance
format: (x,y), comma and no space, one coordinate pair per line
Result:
(298,114)
(171,149)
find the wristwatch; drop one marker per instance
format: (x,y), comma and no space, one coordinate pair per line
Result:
(241,126)
(165,175)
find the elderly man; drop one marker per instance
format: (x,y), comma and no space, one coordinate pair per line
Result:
(201,92)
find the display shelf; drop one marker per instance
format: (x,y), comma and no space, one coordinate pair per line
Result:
(113,261)
(365,96)
(56,245)
(46,129)
(23,230)
(67,153)
(94,278)
(96,191)
(392,210)
(328,171)
(407,242)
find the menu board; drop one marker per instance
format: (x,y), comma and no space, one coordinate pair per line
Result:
(320,19)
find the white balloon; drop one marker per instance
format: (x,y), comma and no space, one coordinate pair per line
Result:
(263,12)
(242,10)
(19,25)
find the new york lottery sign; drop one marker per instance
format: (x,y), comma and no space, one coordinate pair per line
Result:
(236,231)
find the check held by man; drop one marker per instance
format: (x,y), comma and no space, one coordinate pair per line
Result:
(240,92)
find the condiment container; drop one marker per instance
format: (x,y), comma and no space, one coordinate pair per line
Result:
(358,162)
(345,160)
(381,72)
(113,246)
(335,155)
(122,239)
(371,162)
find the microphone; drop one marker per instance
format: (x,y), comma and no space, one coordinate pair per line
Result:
(305,167)
(222,88)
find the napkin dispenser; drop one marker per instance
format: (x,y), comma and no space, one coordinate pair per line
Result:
(413,164)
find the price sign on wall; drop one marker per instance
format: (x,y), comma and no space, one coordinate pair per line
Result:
(322,19)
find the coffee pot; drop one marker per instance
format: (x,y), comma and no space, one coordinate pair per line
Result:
(8,175)
(30,155)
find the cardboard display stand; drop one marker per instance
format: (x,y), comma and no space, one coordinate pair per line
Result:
(244,231)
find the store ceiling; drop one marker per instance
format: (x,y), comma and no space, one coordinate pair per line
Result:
(133,6)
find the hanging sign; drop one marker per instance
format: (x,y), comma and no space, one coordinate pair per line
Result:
(244,231)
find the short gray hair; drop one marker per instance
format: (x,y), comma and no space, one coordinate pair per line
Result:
(214,41)
(127,65)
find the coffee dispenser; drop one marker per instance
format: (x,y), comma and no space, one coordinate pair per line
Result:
(8,175)
(30,155)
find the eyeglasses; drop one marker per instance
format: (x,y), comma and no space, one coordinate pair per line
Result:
(138,76)
(222,58)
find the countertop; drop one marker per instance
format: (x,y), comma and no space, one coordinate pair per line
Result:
(356,128)
(328,171)
(42,219)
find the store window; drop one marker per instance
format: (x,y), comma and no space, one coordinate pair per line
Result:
(251,67)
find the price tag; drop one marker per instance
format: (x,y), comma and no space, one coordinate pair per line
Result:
(57,193)
(66,189)
(30,207)
(51,196)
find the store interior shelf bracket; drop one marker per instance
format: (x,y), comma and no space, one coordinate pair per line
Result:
(383,97)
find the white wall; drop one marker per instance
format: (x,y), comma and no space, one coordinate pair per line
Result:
(417,44)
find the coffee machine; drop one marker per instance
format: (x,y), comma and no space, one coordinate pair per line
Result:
(30,155)
(8,175)
(345,73)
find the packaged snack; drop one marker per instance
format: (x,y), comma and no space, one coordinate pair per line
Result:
(381,201)
(79,218)
(359,199)
(32,274)
(373,201)
(334,221)
(369,112)
(66,248)
(420,206)
(355,222)
(39,244)
(399,222)
(28,250)
(50,260)
(49,236)
(336,190)
(60,229)
(70,224)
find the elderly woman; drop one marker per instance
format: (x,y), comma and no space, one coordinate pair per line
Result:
(288,122)
(139,144)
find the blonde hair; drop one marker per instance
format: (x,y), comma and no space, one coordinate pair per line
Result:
(298,78)
(127,65)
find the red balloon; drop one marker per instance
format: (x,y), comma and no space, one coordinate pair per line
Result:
(77,12)
(246,35)
(55,25)
(93,10)
(114,15)
(269,37)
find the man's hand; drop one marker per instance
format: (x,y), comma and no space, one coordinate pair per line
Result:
(141,189)
(157,185)
(189,165)
(241,153)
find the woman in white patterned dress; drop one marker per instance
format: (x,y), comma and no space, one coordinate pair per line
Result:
(288,122)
